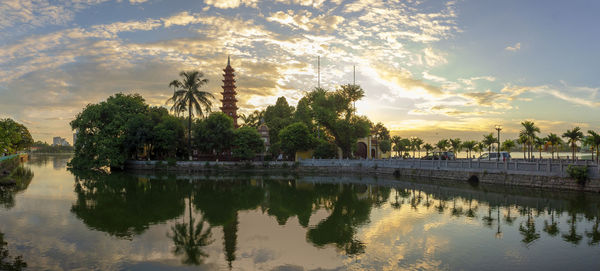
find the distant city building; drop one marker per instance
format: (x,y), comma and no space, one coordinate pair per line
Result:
(229,101)
(59,141)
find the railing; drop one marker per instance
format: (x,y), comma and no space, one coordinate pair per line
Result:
(2,158)
(546,167)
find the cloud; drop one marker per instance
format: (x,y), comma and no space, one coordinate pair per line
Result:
(304,20)
(403,80)
(226,4)
(432,58)
(568,94)
(513,48)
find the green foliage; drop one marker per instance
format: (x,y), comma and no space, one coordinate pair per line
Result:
(171,161)
(214,134)
(254,119)
(296,137)
(325,150)
(385,145)
(247,143)
(277,117)
(14,137)
(573,137)
(332,111)
(579,173)
(102,136)
(43,147)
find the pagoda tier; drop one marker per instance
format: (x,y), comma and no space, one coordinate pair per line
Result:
(229,101)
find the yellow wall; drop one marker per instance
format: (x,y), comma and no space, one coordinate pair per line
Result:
(304,154)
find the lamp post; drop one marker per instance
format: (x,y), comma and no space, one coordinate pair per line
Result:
(498,128)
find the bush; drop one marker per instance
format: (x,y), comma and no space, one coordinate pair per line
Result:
(579,173)
(295,165)
(171,162)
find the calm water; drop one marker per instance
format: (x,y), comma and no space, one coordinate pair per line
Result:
(59,220)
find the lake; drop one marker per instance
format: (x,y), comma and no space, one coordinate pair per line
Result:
(58,220)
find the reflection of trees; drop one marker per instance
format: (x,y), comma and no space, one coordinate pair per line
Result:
(123,205)
(552,227)
(350,210)
(528,231)
(488,219)
(22,177)
(190,238)
(6,261)
(220,202)
(594,234)
(456,211)
(572,236)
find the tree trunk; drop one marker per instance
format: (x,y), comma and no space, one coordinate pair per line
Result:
(190,131)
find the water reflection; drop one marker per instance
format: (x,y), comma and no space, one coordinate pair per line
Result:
(22,177)
(7,262)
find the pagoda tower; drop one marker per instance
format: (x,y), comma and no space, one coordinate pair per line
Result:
(229,101)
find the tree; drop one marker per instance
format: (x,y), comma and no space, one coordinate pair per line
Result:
(14,137)
(573,136)
(530,131)
(253,119)
(190,97)
(402,146)
(415,144)
(214,134)
(539,144)
(296,137)
(488,141)
(554,141)
(469,145)
(595,141)
(396,140)
(523,139)
(247,143)
(442,144)
(169,135)
(480,146)
(100,142)
(330,111)
(325,149)
(277,117)
(508,144)
(380,132)
(427,148)
(385,145)
(353,93)
(456,145)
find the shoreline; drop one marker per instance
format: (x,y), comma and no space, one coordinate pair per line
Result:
(496,176)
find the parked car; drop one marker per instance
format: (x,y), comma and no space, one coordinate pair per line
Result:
(440,155)
(493,156)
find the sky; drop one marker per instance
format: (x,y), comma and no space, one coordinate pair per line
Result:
(434,69)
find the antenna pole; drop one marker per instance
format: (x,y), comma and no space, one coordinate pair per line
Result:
(319,71)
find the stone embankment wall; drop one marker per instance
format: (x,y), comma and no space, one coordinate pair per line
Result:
(519,174)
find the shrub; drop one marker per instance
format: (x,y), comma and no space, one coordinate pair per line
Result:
(295,165)
(284,165)
(171,162)
(579,173)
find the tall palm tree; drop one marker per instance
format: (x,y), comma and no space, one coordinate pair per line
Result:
(191,98)
(469,145)
(427,148)
(554,141)
(523,139)
(442,144)
(176,84)
(573,136)
(508,144)
(456,145)
(530,130)
(489,140)
(397,141)
(539,144)
(415,144)
(595,140)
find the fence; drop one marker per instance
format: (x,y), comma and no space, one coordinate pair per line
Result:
(545,167)
(7,157)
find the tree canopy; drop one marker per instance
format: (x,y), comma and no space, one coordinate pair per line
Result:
(14,137)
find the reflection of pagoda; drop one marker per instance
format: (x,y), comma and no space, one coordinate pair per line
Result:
(229,101)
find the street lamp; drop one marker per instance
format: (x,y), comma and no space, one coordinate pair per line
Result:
(498,128)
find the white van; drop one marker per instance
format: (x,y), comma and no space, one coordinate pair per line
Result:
(493,156)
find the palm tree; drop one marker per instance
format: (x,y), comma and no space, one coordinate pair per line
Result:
(191,98)
(508,144)
(595,140)
(397,141)
(427,148)
(489,140)
(379,131)
(554,141)
(573,136)
(523,139)
(456,145)
(442,144)
(253,119)
(415,144)
(480,147)
(176,84)
(469,145)
(539,144)
(530,130)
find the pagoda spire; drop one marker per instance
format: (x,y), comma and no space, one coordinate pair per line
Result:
(229,101)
